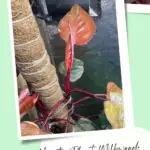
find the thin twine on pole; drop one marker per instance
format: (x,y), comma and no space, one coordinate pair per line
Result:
(23,19)
(30,42)
(32,59)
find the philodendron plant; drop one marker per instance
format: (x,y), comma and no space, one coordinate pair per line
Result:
(75,28)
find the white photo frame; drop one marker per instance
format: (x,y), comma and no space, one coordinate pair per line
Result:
(125,73)
(138,8)
(111,140)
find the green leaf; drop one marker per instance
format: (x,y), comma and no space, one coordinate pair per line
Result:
(104,123)
(84,125)
(76,72)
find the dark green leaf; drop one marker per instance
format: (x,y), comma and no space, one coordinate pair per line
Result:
(84,125)
(76,72)
(104,123)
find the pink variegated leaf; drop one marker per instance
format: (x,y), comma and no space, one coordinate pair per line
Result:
(23,94)
(28,103)
(76,27)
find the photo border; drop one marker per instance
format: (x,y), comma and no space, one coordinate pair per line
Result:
(138,8)
(125,74)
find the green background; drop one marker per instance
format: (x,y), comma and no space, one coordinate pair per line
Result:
(139,54)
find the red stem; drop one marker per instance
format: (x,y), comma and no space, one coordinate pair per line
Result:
(79,116)
(47,127)
(53,109)
(86,98)
(67,85)
(87,93)
(62,120)
(71,58)
(39,120)
(62,100)
(41,107)
(81,100)
(68,120)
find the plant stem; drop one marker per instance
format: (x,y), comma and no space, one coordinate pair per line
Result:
(87,93)
(69,61)
(66,129)
(81,100)
(39,120)
(100,94)
(47,127)
(52,110)
(43,109)
(62,120)
(79,116)
(86,98)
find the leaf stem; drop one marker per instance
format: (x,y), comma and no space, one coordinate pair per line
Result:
(67,124)
(86,98)
(62,120)
(42,108)
(87,93)
(79,116)
(81,100)
(52,110)
(39,120)
(69,60)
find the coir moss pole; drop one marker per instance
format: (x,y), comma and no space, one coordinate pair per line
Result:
(32,59)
